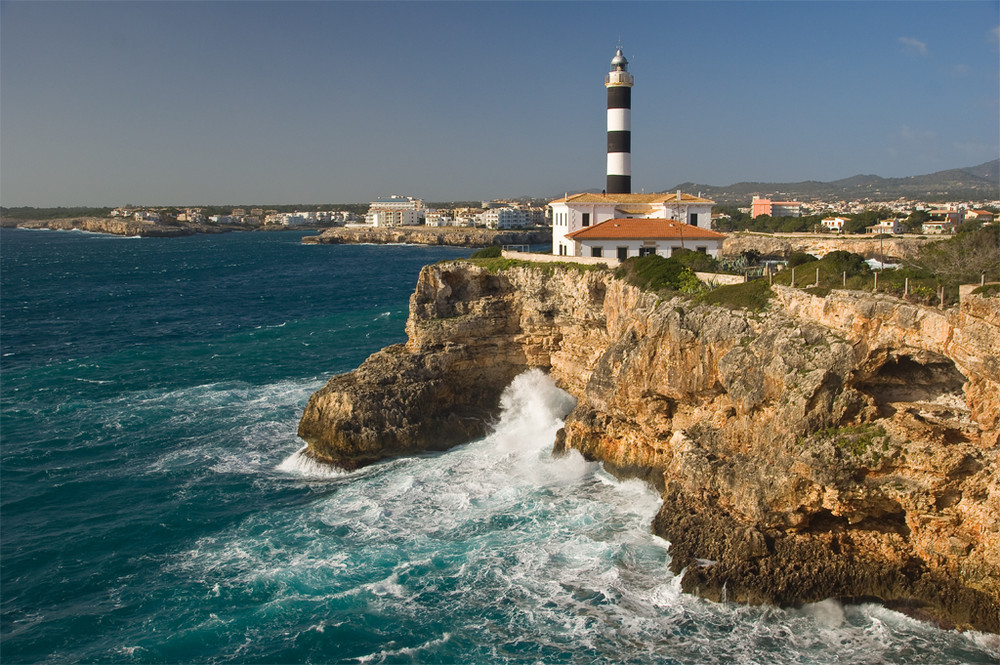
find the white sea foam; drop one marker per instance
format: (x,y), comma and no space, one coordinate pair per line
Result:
(517,554)
(301,464)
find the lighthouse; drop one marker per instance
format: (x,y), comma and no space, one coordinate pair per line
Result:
(619,84)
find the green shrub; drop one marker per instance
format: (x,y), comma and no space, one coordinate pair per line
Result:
(696,261)
(652,272)
(800,258)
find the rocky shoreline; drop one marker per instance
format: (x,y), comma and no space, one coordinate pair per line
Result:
(118,227)
(427,235)
(841,447)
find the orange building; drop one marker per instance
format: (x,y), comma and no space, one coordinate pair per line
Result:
(762,206)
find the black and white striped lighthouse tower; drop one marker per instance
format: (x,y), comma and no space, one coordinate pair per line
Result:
(619,85)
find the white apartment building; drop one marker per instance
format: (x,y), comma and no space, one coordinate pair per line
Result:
(504,218)
(395,211)
(437,218)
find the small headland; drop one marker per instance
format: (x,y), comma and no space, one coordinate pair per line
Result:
(118,227)
(807,444)
(427,235)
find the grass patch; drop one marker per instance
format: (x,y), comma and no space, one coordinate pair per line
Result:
(753,296)
(491,252)
(499,264)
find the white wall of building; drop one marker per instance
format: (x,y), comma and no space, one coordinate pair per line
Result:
(663,247)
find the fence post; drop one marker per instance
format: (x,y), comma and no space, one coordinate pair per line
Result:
(817,277)
(845,279)
(906,287)
(876,282)
(793,277)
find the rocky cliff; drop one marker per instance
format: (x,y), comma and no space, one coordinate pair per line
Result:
(830,447)
(784,244)
(428,235)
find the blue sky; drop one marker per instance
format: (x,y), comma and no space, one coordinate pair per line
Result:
(171,103)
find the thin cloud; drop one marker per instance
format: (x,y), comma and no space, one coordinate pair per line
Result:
(913,46)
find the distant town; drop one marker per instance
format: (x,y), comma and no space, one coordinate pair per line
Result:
(763,214)
(389,211)
(902,216)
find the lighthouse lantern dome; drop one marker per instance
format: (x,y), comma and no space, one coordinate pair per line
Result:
(619,63)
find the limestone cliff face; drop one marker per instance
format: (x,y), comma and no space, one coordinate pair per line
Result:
(784,244)
(844,446)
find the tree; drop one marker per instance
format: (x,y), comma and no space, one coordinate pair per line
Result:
(964,258)
(915,222)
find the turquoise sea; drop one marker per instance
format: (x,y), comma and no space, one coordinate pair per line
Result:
(154,507)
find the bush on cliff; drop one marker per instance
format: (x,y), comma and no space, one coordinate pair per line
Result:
(656,273)
(696,261)
(800,258)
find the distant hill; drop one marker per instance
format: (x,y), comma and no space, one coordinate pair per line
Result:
(972,183)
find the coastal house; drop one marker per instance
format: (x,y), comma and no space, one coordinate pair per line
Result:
(937,228)
(835,224)
(984,216)
(622,238)
(579,211)
(890,226)
(953,217)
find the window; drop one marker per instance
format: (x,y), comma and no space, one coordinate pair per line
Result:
(597,251)
(646,251)
(694,218)
(586,219)
(622,253)
(703,250)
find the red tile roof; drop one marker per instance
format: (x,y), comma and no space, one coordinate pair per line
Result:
(642,228)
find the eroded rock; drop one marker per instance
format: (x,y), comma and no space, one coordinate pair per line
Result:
(831,447)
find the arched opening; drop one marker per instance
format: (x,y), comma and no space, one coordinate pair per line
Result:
(923,388)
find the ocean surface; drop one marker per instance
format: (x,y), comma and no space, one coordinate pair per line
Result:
(155,507)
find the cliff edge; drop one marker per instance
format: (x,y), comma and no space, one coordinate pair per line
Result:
(840,447)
